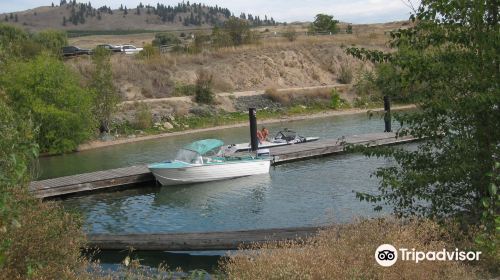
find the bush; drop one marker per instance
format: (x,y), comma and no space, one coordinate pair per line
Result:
(345,74)
(290,34)
(43,243)
(336,101)
(149,51)
(203,90)
(165,38)
(106,97)
(274,95)
(46,90)
(38,240)
(19,43)
(143,116)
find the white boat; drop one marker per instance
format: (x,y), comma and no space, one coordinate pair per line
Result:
(203,161)
(282,138)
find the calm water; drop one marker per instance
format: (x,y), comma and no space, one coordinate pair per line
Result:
(160,149)
(306,193)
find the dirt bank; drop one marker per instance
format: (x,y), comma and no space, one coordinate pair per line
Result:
(100,144)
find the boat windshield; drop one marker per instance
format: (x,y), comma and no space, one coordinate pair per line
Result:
(189,156)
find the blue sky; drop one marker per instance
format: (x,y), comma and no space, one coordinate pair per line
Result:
(355,11)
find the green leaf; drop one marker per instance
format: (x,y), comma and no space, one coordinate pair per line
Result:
(485,201)
(492,189)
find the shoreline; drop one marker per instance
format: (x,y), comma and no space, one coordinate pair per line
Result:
(96,144)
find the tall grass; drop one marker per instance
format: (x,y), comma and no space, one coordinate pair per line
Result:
(348,252)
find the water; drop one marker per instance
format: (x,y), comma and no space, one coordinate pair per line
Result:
(306,193)
(160,149)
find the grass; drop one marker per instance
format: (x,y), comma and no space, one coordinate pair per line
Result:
(320,98)
(347,252)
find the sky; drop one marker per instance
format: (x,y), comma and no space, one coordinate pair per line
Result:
(353,11)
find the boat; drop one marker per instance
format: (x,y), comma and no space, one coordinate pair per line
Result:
(282,138)
(205,161)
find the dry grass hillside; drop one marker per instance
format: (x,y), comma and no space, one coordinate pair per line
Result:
(280,65)
(48,17)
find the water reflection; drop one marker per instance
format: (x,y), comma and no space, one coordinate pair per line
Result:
(308,193)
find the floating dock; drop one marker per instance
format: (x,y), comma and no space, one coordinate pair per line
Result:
(124,177)
(202,241)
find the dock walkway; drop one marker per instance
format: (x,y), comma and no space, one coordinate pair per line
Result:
(127,176)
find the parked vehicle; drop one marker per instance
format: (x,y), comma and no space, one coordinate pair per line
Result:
(74,51)
(203,161)
(110,47)
(130,49)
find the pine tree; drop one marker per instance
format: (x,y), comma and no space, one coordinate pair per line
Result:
(15,18)
(64,21)
(6,18)
(11,16)
(52,4)
(125,11)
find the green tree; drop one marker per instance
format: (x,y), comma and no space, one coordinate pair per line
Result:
(52,40)
(45,89)
(450,60)
(324,23)
(166,38)
(238,31)
(106,97)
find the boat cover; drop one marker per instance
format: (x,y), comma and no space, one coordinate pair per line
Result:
(204,146)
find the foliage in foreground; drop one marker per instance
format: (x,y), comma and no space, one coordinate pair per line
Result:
(37,239)
(44,89)
(19,43)
(450,61)
(347,252)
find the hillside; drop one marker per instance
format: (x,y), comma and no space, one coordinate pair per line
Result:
(83,16)
(307,62)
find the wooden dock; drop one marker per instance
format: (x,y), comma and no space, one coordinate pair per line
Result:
(203,241)
(133,175)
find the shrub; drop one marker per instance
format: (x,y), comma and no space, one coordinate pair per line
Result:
(143,116)
(203,90)
(290,34)
(165,38)
(38,240)
(52,40)
(106,97)
(336,101)
(149,51)
(45,89)
(279,97)
(345,74)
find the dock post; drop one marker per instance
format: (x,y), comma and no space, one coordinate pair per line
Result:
(252,116)
(387,114)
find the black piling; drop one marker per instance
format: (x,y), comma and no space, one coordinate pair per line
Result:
(387,115)
(252,117)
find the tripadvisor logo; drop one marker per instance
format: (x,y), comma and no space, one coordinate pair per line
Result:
(387,255)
